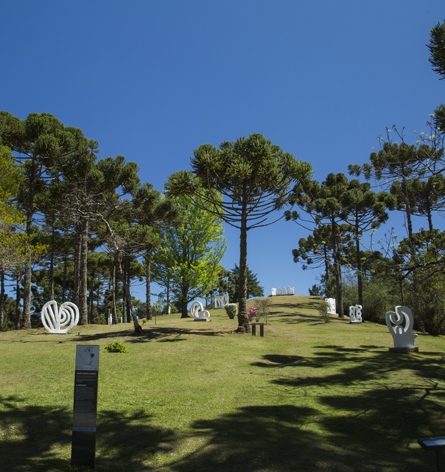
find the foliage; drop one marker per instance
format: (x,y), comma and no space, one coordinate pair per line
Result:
(323,310)
(231,309)
(190,254)
(263,305)
(426,298)
(252,312)
(117,346)
(379,296)
(253,285)
(437,60)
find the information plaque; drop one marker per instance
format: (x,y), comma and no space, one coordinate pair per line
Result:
(83,450)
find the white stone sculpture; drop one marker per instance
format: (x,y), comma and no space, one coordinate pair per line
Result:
(330,302)
(110,319)
(198,313)
(221,300)
(54,319)
(403,338)
(283,291)
(355,314)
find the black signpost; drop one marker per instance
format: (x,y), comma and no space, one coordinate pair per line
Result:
(83,450)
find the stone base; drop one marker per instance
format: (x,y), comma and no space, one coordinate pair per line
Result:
(202,319)
(403,349)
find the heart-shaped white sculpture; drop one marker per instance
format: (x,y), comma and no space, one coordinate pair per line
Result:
(54,319)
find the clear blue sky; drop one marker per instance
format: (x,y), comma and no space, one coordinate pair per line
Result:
(153,80)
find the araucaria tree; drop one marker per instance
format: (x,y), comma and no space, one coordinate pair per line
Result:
(254,177)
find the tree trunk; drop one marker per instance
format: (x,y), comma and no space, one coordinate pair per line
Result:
(64,279)
(148,284)
(83,295)
(17,301)
(359,269)
(243,320)
(51,269)
(337,267)
(184,313)
(27,278)
(90,317)
(76,286)
(137,326)
(27,295)
(127,295)
(129,301)
(114,310)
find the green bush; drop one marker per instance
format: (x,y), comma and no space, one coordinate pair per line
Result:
(231,309)
(116,347)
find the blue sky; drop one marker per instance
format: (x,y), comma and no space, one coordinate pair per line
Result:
(153,80)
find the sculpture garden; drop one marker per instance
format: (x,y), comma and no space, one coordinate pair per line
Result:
(186,396)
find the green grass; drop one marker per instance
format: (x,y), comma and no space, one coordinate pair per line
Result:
(195,397)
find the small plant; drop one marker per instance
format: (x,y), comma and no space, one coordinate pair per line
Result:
(252,312)
(263,305)
(144,320)
(116,347)
(231,309)
(323,310)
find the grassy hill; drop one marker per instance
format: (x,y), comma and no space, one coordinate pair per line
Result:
(193,396)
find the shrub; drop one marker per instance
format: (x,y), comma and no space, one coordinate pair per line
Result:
(231,309)
(252,312)
(263,305)
(323,310)
(116,347)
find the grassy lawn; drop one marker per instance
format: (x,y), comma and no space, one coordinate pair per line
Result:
(195,397)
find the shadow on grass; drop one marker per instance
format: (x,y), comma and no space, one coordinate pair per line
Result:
(149,334)
(364,434)
(33,437)
(375,407)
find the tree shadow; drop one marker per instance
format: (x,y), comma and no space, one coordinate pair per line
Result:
(253,438)
(33,437)
(373,414)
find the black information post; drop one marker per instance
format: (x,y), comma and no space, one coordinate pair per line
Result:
(83,450)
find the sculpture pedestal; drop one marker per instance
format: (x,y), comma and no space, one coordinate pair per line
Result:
(403,349)
(202,319)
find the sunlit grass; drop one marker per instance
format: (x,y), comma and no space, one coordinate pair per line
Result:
(195,396)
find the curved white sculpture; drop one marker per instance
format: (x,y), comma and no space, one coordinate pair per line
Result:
(198,313)
(54,319)
(401,334)
(355,314)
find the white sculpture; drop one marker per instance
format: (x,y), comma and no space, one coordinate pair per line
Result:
(54,319)
(330,302)
(198,313)
(221,300)
(355,314)
(110,319)
(403,338)
(283,291)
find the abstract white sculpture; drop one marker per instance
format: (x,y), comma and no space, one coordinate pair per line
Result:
(110,320)
(355,314)
(198,313)
(330,302)
(283,291)
(54,319)
(221,300)
(403,338)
